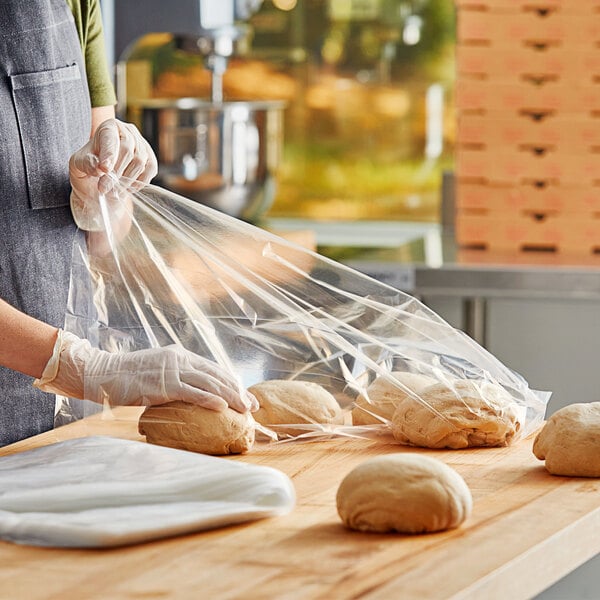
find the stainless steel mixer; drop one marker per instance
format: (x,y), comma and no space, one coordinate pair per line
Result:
(220,33)
(224,154)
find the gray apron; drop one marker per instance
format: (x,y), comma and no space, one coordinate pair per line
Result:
(45,116)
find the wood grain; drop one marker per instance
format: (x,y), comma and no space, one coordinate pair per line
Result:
(527,530)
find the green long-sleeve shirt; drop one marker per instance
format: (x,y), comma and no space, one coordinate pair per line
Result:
(88,21)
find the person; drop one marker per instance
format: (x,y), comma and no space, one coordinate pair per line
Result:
(58,141)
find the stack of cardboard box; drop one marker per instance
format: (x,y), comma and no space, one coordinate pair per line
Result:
(528,139)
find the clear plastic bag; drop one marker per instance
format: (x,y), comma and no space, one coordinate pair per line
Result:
(263,308)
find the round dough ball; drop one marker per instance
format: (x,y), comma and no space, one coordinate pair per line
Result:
(409,493)
(463,414)
(384,396)
(284,402)
(190,427)
(570,441)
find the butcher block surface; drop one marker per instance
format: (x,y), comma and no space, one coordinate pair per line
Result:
(527,530)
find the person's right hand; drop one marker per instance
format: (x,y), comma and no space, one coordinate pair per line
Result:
(116,149)
(142,377)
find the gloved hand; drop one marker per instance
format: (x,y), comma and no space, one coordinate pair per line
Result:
(117,148)
(142,377)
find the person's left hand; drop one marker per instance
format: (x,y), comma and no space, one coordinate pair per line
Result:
(117,148)
(140,377)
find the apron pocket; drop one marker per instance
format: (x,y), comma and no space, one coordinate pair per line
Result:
(51,109)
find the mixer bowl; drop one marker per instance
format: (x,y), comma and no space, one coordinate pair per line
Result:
(224,155)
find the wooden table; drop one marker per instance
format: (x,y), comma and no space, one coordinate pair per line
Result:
(528,529)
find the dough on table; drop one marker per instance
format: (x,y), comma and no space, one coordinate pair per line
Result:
(285,402)
(408,493)
(461,413)
(569,442)
(190,427)
(384,396)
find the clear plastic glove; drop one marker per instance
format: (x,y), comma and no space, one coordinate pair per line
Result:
(117,148)
(142,377)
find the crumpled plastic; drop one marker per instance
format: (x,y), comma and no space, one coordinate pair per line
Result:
(264,308)
(100,492)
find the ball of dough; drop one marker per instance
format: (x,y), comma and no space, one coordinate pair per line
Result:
(285,402)
(570,441)
(409,493)
(383,396)
(190,427)
(460,414)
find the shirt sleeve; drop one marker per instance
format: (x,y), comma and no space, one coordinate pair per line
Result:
(102,92)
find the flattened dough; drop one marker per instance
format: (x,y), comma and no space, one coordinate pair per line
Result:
(408,493)
(384,396)
(461,414)
(285,402)
(191,427)
(569,442)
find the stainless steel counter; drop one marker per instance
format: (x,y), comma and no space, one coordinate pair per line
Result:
(419,259)
(516,281)
(475,285)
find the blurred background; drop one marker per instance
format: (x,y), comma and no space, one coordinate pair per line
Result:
(367,85)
